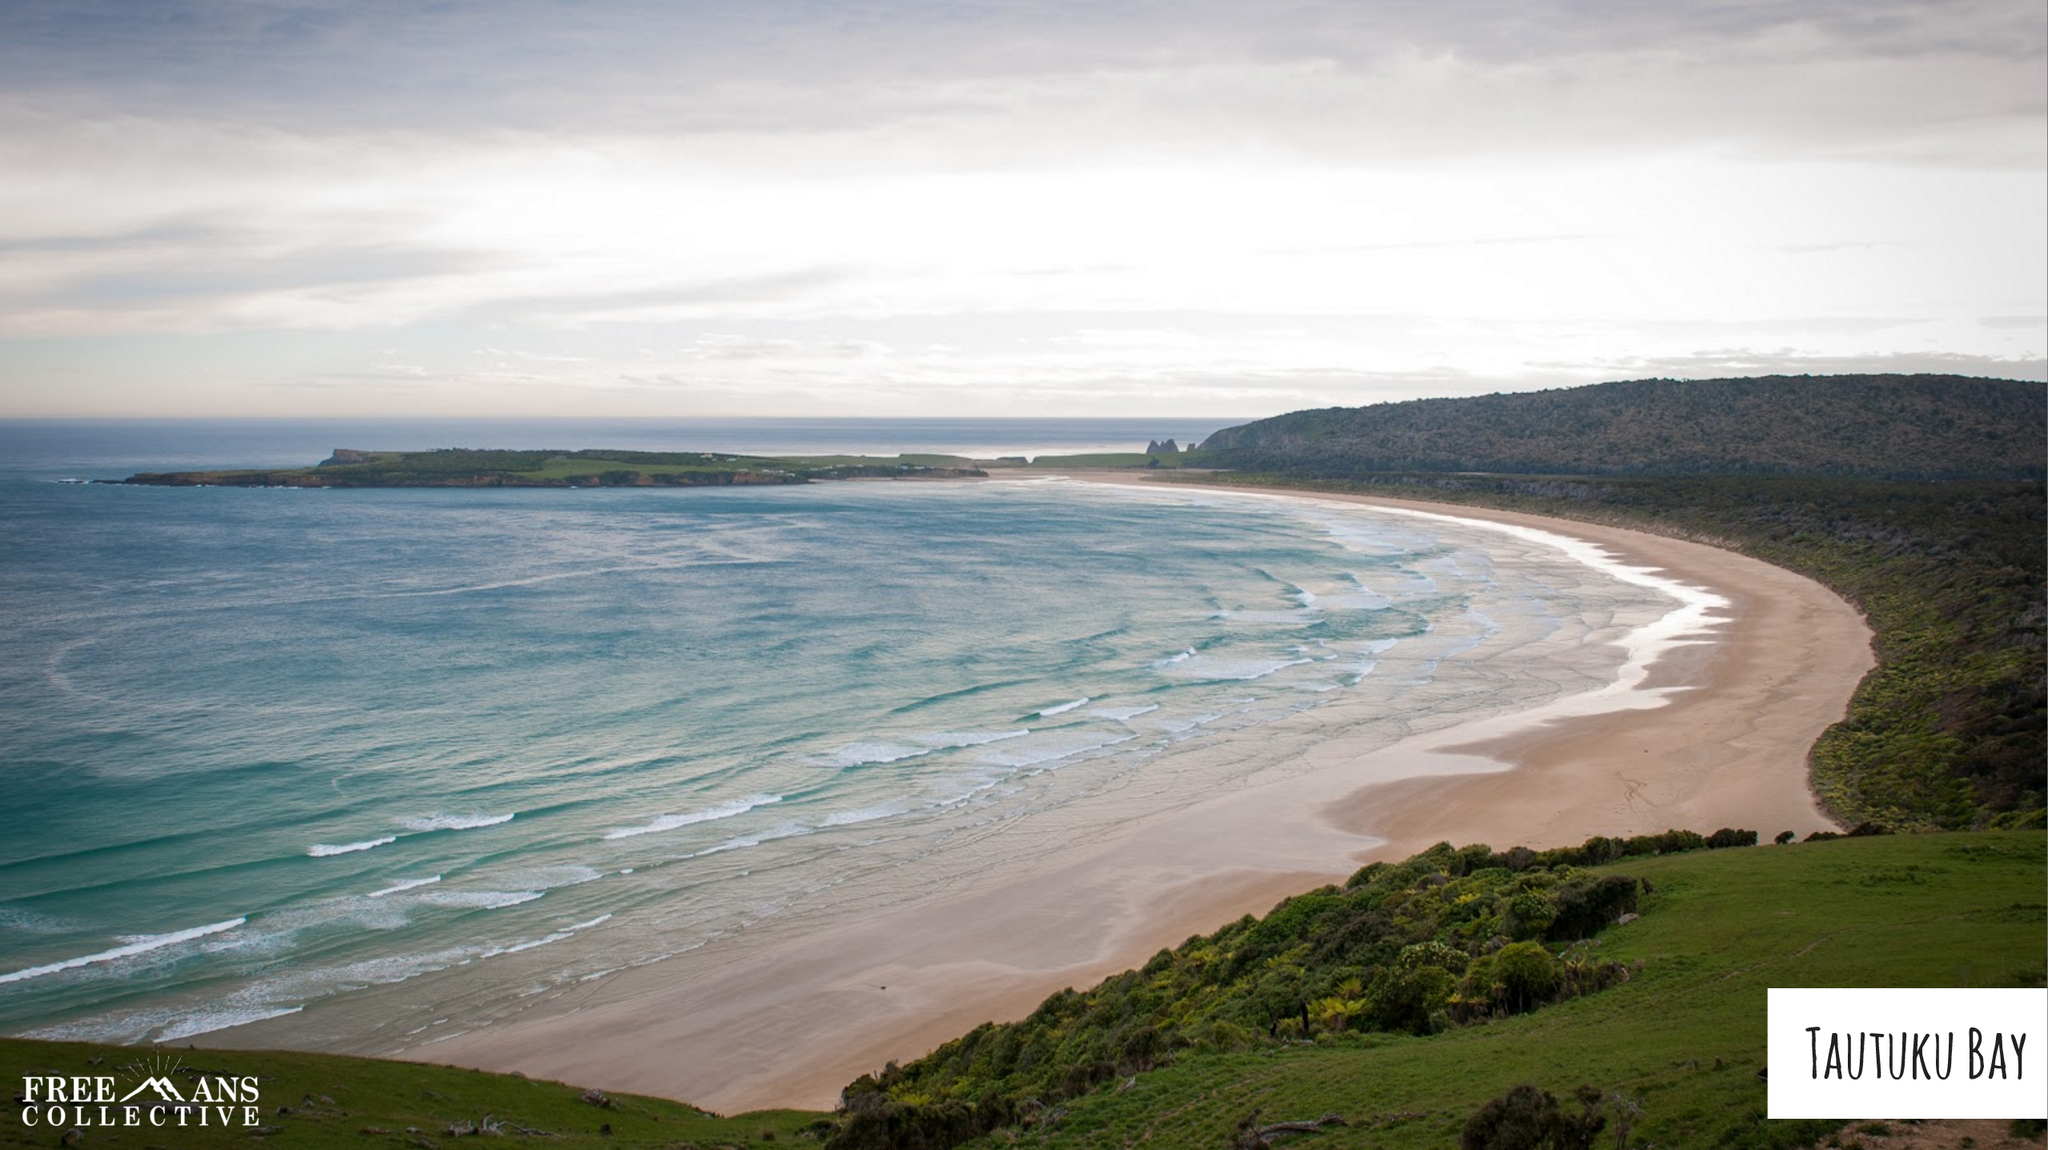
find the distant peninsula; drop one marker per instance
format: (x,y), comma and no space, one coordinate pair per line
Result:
(466,467)
(609,467)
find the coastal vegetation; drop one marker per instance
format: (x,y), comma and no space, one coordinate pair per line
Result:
(1447,938)
(1878,426)
(1951,729)
(1669,1051)
(467,467)
(1675,1052)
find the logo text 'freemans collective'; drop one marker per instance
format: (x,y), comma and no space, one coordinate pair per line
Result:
(144,1096)
(1908,1053)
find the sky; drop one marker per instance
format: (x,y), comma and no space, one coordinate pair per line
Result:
(991,207)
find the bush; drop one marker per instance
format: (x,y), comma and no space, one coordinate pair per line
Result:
(1525,976)
(1585,906)
(1526,1118)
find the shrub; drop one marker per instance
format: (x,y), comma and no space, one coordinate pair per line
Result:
(1524,976)
(1526,1118)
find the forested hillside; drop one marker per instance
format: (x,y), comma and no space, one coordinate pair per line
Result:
(1897,426)
(1951,730)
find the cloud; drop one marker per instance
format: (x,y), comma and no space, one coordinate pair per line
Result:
(1246,202)
(668,301)
(1363,79)
(1737,361)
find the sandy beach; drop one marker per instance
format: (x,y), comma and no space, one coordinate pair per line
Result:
(1714,733)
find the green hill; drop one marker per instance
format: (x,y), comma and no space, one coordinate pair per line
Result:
(316,1101)
(1919,499)
(604,467)
(1898,426)
(1681,1043)
(1673,1047)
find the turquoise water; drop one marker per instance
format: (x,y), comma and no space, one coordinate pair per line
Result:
(404,760)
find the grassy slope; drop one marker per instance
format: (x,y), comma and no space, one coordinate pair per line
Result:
(362,1094)
(1686,1037)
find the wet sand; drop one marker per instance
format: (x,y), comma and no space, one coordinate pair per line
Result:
(792,1017)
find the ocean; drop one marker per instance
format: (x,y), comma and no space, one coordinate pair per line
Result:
(403,763)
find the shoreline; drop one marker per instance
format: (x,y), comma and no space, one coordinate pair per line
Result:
(1734,710)
(1695,734)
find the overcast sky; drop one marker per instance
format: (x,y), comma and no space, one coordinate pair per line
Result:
(991,207)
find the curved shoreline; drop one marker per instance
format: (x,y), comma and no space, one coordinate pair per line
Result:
(798,1015)
(1725,742)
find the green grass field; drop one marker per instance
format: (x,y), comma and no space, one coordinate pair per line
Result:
(329,1100)
(1684,1038)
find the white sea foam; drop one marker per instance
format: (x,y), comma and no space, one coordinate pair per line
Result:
(276,932)
(1183,725)
(914,746)
(403,884)
(480,899)
(708,814)
(1221,668)
(136,944)
(1299,617)
(974,738)
(323,850)
(163,1024)
(1697,609)
(448,822)
(784,831)
(867,754)
(1361,600)
(26,921)
(1124,714)
(1063,708)
(865,815)
(206,1021)
(545,940)
(516,947)
(548,877)
(1051,746)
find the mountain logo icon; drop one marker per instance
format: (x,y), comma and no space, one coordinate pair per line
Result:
(155,1076)
(165,1091)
